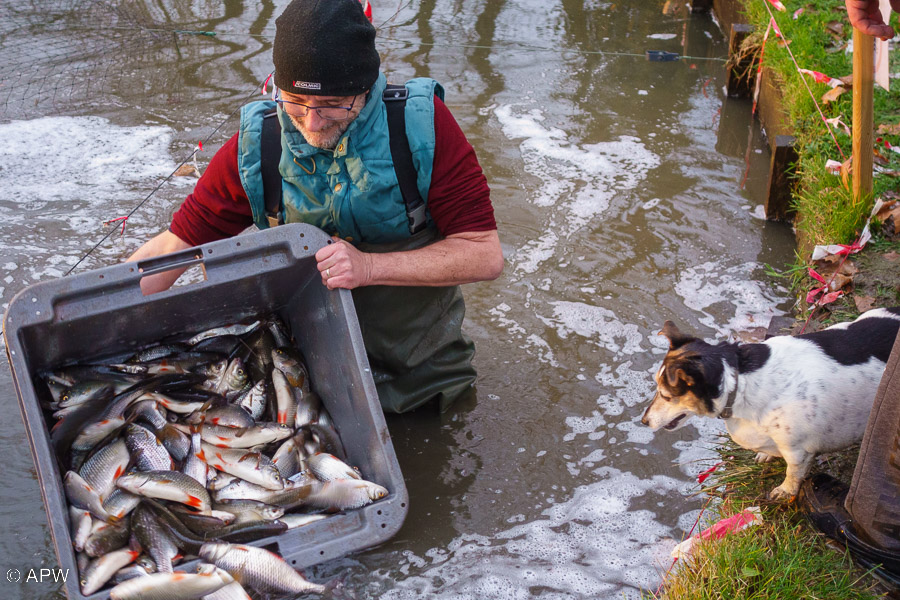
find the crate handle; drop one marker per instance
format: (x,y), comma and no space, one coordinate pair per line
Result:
(182,259)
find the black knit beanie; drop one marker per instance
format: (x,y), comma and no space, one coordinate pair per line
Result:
(325,48)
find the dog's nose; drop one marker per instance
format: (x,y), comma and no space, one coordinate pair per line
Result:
(644,419)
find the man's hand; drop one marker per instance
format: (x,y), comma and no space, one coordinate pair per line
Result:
(343,266)
(865,16)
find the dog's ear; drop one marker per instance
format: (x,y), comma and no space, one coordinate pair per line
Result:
(676,338)
(673,375)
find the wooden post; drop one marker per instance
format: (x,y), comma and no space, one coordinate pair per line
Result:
(778,197)
(863,119)
(739,81)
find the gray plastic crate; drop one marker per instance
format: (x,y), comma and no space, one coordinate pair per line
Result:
(103,312)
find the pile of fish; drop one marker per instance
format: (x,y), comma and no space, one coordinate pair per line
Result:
(191,448)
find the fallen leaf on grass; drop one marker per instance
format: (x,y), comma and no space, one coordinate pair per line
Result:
(847,80)
(880,159)
(836,273)
(888,129)
(835,48)
(863,303)
(889,215)
(836,29)
(833,94)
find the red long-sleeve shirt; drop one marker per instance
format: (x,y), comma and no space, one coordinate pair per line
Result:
(459,198)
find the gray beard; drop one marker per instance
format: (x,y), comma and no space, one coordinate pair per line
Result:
(324,140)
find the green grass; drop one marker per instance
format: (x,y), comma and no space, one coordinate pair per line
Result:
(782,558)
(826,212)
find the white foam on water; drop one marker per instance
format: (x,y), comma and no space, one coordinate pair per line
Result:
(716,283)
(578,181)
(663,36)
(94,164)
(599,325)
(532,343)
(64,176)
(595,544)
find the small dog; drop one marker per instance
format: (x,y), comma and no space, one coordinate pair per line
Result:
(790,396)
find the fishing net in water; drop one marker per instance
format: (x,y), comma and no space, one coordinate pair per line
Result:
(68,56)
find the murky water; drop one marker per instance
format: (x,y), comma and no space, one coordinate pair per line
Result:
(616,188)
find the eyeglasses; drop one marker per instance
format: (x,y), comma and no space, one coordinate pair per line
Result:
(330,113)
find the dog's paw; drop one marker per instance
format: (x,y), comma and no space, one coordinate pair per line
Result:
(762,457)
(781,494)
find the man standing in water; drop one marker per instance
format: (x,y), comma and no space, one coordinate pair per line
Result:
(403,262)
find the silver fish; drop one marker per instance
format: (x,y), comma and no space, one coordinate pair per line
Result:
(129,572)
(279,331)
(106,537)
(288,361)
(262,570)
(82,495)
(195,464)
(82,392)
(237,329)
(216,480)
(228,415)
(327,467)
(120,503)
(171,586)
(232,591)
(344,494)
(102,569)
(254,400)
(81,523)
(148,452)
(102,469)
(176,406)
(287,458)
(167,485)
(156,352)
(234,380)
(252,466)
(245,511)
(149,410)
(299,520)
(154,539)
(176,442)
(241,489)
(285,399)
(95,433)
(309,405)
(230,437)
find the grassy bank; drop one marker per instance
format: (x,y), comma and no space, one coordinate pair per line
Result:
(818,37)
(782,558)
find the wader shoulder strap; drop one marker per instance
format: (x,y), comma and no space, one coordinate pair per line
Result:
(270,156)
(395,102)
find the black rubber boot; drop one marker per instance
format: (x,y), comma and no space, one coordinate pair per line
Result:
(821,498)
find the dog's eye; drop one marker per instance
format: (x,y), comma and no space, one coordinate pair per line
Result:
(664,397)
